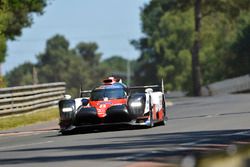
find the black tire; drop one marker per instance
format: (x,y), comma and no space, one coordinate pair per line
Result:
(164,122)
(66,132)
(151,120)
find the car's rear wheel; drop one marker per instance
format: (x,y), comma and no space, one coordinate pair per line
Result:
(164,121)
(65,132)
(151,119)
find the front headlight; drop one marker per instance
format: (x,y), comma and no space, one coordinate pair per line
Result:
(68,109)
(136,104)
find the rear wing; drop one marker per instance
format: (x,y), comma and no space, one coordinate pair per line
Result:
(86,93)
(143,88)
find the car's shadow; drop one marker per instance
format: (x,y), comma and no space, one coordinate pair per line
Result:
(103,128)
(162,147)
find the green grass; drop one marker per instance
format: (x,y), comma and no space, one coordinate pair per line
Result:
(28,118)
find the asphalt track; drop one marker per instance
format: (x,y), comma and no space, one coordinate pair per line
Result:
(196,126)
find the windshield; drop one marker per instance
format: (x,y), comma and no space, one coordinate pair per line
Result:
(97,95)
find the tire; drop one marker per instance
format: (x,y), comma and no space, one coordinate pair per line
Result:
(151,119)
(66,132)
(164,122)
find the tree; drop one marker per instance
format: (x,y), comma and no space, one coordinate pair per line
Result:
(120,67)
(60,63)
(196,69)
(88,51)
(21,75)
(203,8)
(204,14)
(238,62)
(2,82)
(53,59)
(90,55)
(115,64)
(14,16)
(165,48)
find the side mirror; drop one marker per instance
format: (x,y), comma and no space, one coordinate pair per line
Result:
(149,90)
(85,102)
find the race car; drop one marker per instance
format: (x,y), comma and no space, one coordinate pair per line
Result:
(114,103)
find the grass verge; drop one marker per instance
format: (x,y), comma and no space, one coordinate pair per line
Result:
(28,118)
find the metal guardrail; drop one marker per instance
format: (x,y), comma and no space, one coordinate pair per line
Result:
(28,98)
(234,85)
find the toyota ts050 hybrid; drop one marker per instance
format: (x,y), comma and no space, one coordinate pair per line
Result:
(114,103)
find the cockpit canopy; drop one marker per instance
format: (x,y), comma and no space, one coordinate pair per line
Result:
(114,91)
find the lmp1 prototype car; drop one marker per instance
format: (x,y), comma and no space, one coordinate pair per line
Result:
(114,103)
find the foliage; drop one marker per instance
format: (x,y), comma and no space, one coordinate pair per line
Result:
(2,82)
(165,50)
(89,54)
(115,66)
(78,67)
(115,63)
(120,67)
(88,51)
(168,43)
(219,36)
(239,60)
(14,16)
(21,75)
(60,63)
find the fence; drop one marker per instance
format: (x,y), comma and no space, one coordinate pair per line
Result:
(28,98)
(234,85)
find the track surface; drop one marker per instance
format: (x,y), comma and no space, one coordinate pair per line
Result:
(195,126)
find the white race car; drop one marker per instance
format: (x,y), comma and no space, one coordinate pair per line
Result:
(114,103)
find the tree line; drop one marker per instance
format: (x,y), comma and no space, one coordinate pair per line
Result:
(193,42)
(14,16)
(187,43)
(80,66)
